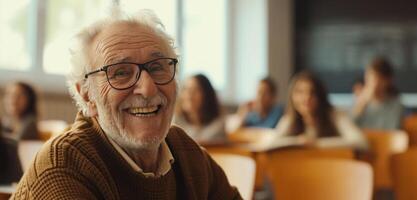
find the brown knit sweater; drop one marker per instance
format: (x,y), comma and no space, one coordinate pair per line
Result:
(82,164)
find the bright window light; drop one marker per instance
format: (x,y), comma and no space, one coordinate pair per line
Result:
(14,51)
(204,49)
(64,19)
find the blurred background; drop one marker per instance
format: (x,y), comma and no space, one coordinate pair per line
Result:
(234,44)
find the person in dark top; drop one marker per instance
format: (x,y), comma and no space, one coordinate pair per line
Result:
(10,168)
(20,117)
(263,110)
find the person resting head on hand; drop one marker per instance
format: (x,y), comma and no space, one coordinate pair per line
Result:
(310,116)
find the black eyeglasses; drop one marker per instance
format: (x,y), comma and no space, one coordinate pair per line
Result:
(124,75)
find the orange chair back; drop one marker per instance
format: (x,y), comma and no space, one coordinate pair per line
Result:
(263,160)
(404,173)
(410,126)
(235,150)
(303,153)
(383,144)
(321,179)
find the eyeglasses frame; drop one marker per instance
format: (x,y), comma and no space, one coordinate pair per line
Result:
(141,66)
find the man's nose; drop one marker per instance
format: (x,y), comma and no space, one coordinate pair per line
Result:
(145,85)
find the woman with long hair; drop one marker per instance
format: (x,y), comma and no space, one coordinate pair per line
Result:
(21,114)
(378,106)
(198,110)
(310,116)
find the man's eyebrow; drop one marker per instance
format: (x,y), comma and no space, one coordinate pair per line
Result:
(157,55)
(119,60)
(130,59)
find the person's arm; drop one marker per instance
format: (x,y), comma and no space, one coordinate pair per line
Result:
(363,100)
(350,135)
(243,112)
(56,183)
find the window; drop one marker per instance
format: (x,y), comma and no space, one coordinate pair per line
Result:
(64,19)
(14,51)
(164,9)
(35,36)
(204,45)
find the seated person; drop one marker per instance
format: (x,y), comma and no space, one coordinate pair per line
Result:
(10,168)
(20,106)
(378,106)
(263,111)
(311,117)
(122,144)
(198,111)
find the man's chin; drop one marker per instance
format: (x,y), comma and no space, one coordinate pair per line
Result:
(127,141)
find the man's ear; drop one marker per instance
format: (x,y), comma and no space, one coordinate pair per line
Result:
(91,105)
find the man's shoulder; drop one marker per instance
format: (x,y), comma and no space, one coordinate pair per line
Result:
(61,151)
(183,147)
(177,137)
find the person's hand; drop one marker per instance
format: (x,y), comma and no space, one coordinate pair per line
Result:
(307,141)
(364,98)
(367,93)
(245,108)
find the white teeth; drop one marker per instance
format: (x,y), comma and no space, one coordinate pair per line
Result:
(143,110)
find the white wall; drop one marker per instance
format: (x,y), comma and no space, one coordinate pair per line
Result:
(280,43)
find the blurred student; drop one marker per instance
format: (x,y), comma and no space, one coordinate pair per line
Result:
(311,118)
(20,117)
(378,106)
(263,111)
(10,168)
(198,111)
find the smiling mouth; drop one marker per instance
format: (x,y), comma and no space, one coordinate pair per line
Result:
(144,111)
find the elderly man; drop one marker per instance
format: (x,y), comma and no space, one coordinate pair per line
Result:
(122,145)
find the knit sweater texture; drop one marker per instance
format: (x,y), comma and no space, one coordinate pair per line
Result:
(82,164)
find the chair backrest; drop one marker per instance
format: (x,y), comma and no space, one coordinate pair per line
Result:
(302,153)
(382,145)
(410,126)
(284,154)
(228,149)
(240,171)
(404,174)
(27,151)
(321,179)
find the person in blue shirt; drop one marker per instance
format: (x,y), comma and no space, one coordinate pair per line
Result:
(263,110)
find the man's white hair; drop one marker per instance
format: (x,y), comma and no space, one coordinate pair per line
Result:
(80,60)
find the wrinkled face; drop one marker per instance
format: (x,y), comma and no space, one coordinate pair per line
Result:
(264,97)
(192,96)
(138,117)
(304,98)
(15,100)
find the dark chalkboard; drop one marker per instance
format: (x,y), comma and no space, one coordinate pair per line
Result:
(338,38)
